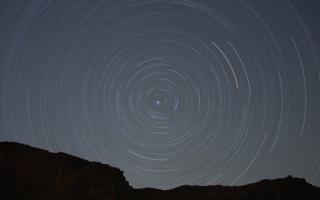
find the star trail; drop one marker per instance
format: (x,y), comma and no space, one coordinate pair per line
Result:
(172,92)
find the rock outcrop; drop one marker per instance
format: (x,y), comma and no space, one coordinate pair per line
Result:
(32,174)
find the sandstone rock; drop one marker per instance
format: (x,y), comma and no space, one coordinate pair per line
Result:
(31,173)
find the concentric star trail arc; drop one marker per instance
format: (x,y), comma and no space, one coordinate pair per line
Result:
(171,92)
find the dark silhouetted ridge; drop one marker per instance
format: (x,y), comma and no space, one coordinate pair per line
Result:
(32,174)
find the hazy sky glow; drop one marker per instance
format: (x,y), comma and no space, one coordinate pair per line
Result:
(171,92)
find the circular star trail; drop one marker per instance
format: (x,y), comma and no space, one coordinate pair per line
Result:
(172,92)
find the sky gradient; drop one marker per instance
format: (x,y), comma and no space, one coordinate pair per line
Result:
(172,92)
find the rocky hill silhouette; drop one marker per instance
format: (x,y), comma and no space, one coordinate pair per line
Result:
(30,173)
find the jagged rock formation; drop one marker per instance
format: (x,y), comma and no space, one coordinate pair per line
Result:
(31,173)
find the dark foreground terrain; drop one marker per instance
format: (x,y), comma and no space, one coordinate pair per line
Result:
(33,174)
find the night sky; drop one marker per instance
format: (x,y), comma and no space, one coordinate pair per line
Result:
(171,92)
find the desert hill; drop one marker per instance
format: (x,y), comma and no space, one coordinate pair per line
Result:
(30,173)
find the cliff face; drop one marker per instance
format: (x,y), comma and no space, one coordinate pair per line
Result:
(31,173)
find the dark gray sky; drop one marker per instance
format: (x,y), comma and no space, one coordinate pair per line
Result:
(171,92)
